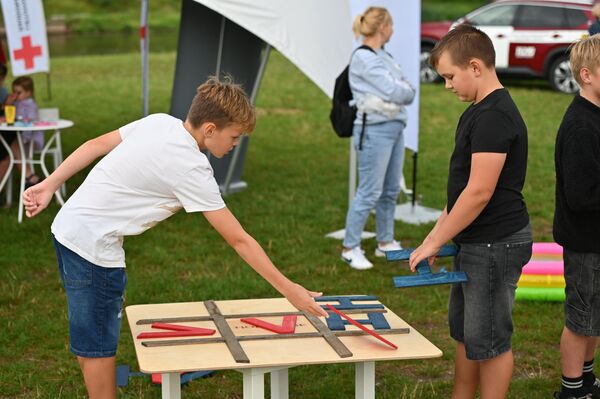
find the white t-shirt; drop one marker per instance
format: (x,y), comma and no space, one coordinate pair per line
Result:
(155,171)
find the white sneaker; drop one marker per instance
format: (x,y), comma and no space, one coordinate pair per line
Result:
(356,259)
(391,246)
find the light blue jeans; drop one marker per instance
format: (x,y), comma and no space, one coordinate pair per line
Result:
(379,172)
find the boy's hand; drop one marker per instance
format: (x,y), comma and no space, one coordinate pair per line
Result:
(428,250)
(37,198)
(303,300)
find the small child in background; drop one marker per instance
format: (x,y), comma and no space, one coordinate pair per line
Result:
(26,111)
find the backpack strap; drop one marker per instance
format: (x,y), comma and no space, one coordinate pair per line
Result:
(362,131)
(364,118)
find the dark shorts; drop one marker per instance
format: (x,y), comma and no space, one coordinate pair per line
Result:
(480,310)
(95,302)
(582,304)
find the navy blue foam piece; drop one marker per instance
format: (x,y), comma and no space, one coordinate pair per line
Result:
(345,302)
(404,254)
(377,320)
(425,277)
(123,375)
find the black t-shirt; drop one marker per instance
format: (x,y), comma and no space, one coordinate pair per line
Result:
(492,125)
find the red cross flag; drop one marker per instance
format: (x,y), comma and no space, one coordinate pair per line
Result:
(26,34)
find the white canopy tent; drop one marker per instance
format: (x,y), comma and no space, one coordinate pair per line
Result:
(316,36)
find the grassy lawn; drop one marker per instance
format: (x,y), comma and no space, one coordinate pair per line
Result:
(296,170)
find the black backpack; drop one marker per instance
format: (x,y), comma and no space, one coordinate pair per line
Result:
(342,115)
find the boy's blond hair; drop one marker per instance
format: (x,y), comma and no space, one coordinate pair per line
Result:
(223,103)
(463,43)
(585,54)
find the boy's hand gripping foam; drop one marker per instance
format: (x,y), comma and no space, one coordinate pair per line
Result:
(424,275)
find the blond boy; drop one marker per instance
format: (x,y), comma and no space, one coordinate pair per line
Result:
(485,214)
(577,223)
(151,168)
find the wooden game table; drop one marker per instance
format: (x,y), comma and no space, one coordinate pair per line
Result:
(254,351)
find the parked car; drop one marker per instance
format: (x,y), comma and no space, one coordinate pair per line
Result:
(531,37)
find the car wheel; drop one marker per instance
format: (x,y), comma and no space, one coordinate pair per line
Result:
(561,77)
(427,73)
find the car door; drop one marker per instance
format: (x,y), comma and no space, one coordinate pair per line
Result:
(496,20)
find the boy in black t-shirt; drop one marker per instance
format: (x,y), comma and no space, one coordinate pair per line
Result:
(577,222)
(485,214)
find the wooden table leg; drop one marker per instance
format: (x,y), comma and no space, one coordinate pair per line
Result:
(171,386)
(365,380)
(280,384)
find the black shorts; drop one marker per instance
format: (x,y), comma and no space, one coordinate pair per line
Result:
(582,304)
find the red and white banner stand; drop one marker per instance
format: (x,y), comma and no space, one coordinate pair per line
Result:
(26,35)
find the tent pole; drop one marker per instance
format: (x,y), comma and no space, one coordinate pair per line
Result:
(253,94)
(218,69)
(48,86)
(144,41)
(414,179)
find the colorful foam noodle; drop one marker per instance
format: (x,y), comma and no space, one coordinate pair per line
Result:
(541,281)
(540,294)
(552,268)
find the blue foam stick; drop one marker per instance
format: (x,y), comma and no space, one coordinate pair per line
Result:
(345,302)
(404,254)
(377,320)
(425,277)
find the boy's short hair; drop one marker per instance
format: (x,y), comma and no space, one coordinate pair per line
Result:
(585,54)
(223,103)
(463,43)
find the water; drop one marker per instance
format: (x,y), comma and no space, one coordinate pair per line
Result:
(110,43)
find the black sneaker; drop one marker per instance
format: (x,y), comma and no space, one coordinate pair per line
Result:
(595,390)
(558,395)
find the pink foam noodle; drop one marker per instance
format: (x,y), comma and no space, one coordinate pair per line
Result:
(551,248)
(552,268)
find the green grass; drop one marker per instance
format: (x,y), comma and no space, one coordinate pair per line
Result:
(296,170)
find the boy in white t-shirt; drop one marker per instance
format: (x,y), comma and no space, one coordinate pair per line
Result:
(152,168)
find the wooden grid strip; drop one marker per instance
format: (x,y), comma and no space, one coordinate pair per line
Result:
(230,339)
(243,315)
(195,341)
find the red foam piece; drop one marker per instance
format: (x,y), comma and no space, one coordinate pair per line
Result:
(176,331)
(288,326)
(365,329)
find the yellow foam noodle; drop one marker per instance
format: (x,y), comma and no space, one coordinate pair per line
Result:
(545,280)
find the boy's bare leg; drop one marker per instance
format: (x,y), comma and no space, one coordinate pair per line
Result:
(99,376)
(573,351)
(590,350)
(466,375)
(495,376)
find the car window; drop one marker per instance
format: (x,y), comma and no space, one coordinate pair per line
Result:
(541,17)
(575,18)
(503,15)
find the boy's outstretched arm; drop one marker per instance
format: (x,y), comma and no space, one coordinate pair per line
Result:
(232,231)
(36,198)
(484,174)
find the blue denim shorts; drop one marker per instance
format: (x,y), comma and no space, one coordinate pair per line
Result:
(480,310)
(95,301)
(582,304)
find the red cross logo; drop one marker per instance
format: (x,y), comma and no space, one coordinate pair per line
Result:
(27,52)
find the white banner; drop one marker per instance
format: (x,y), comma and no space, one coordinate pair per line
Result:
(405,47)
(26,35)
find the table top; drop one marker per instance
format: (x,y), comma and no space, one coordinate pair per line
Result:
(60,124)
(266,352)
